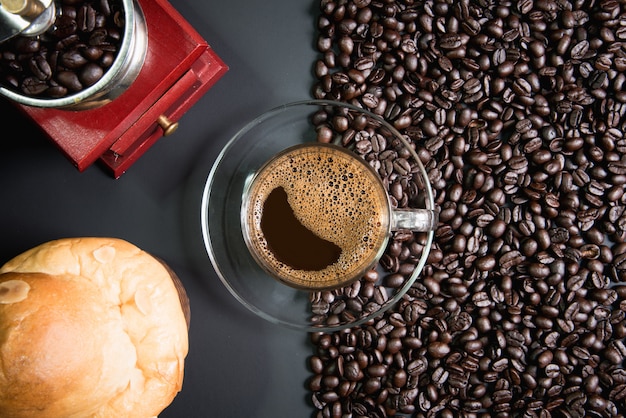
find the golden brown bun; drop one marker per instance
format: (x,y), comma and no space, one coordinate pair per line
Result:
(89,327)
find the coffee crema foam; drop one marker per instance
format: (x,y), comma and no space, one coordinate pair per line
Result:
(336,196)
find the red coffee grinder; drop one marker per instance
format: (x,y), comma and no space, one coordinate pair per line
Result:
(162,68)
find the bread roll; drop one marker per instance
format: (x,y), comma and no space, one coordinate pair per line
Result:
(89,327)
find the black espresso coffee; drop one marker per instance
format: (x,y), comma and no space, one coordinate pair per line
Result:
(316,216)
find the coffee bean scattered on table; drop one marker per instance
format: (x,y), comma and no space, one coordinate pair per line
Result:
(71,56)
(517,110)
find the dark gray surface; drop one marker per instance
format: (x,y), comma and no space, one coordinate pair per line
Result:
(238,365)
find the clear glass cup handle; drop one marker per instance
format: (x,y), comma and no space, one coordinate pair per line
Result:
(419,220)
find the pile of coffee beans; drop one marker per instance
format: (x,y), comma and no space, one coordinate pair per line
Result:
(517,111)
(72,55)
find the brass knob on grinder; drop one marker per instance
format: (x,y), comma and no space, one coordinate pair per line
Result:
(168,126)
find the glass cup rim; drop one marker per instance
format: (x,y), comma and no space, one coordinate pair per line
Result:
(379,184)
(206,232)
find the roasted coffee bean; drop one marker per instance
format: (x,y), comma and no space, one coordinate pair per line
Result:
(69,80)
(40,67)
(56,91)
(86,18)
(98,37)
(34,86)
(72,60)
(90,74)
(65,25)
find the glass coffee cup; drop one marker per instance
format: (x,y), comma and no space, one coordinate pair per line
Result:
(317,216)
(369,145)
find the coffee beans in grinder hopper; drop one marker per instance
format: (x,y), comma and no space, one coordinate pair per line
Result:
(517,110)
(71,56)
